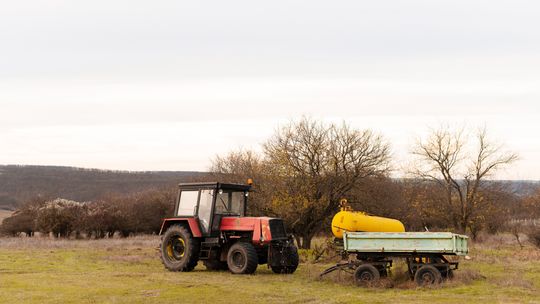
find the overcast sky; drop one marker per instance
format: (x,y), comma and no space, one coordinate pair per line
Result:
(167,85)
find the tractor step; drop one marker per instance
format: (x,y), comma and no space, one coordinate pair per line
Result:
(210,241)
(206,247)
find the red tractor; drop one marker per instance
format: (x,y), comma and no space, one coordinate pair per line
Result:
(210,225)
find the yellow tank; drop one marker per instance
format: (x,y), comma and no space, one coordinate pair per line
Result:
(348,220)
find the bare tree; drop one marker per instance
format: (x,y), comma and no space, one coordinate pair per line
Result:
(318,165)
(306,168)
(237,165)
(422,205)
(446,158)
(530,206)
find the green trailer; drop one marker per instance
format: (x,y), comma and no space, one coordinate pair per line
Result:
(369,255)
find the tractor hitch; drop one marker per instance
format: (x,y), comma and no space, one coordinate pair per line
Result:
(282,253)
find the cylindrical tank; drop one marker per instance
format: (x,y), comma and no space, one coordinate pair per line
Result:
(347,220)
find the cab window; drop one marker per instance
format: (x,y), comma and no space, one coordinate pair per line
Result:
(230,202)
(188,203)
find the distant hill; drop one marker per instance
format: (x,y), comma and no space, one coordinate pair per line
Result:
(20,183)
(523,187)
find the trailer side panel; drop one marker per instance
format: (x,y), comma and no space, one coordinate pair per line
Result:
(406,242)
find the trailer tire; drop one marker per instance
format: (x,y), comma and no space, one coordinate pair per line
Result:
(179,249)
(447,274)
(366,274)
(383,273)
(242,258)
(427,275)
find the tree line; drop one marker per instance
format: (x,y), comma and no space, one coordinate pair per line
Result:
(19,184)
(139,213)
(304,170)
(307,166)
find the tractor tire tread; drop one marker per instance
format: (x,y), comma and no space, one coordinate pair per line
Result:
(192,251)
(252,259)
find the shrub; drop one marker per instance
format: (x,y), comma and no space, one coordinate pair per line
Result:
(21,221)
(534,236)
(61,217)
(139,213)
(24,219)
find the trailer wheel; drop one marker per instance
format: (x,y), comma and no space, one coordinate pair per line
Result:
(242,258)
(383,272)
(179,250)
(365,274)
(427,275)
(447,274)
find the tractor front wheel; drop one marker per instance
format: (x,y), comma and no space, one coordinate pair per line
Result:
(242,258)
(179,249)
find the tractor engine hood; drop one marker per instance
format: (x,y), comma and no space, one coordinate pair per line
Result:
(265,229)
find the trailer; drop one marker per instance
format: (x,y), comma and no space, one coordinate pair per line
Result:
(369,255)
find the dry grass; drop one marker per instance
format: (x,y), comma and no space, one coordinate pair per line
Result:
(514,280)
(466,277)
(138,242)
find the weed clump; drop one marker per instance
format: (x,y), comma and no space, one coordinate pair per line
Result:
(467,276)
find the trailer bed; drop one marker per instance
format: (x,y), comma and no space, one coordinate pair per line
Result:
(445,243)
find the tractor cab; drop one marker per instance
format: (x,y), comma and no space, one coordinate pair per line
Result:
(210,224)
(210,202)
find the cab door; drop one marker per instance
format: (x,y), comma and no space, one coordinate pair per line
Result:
(206,200)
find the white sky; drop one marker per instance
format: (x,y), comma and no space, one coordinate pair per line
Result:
(166,85)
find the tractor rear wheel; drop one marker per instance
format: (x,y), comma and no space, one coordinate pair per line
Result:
(179,249)
(242,258)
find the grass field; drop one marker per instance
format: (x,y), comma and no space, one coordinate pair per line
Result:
(40,270)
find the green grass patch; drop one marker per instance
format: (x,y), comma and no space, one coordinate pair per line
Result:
(129,271)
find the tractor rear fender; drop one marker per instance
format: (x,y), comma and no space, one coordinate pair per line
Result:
(190,222)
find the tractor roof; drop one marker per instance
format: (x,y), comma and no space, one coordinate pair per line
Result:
(214,185)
